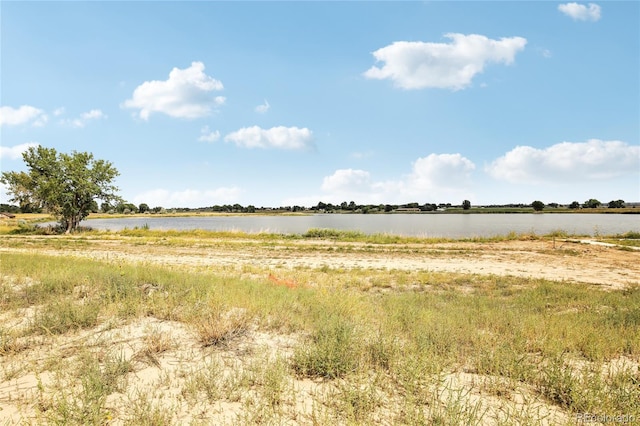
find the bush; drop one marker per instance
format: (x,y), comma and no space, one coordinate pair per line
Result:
(333,353)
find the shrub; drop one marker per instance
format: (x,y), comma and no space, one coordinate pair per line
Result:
(333,352)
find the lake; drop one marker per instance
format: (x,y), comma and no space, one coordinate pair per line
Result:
(421,225)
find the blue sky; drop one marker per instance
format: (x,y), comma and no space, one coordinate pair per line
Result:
(292,103)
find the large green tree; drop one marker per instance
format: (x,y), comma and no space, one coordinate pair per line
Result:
(592,203)
(537,205)
(65,185)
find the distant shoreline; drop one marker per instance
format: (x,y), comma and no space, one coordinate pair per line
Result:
(488,210)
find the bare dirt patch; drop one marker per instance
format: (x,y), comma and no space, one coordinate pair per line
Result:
(606,266)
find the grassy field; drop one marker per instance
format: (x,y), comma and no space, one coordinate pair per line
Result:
(84,341)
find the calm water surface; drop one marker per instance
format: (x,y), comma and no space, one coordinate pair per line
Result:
(422,225)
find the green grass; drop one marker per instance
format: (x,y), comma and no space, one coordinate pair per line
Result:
(552,338)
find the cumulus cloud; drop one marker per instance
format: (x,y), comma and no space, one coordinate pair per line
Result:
(187,93)
(347,180)
(434,177)
(24,114)
(567,162)
(580,12)
(207,135)
(276,137)
(420,65)
(188,197)
(85,117)
(440,171)
(261,109)
(15,152)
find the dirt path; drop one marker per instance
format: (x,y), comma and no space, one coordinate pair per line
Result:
(561,261)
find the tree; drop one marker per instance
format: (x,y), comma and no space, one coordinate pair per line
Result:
(105,207)
(466,205)
(126,208)
(616,204)
(143,208)
(574,205)
(592,203)
(537,205)
(66,185)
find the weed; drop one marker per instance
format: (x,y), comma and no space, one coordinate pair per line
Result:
(333,352)
(273,382)
(355,402)
(141,411)
(157,342)
(217,327)
(207,380)
(67,315)
(10,343)
(87,407)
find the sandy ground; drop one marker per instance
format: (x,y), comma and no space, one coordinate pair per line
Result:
(572,261)
(161,374)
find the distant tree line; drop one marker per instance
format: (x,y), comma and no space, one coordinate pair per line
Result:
(591,203)
(124,207)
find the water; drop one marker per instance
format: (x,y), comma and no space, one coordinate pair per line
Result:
(421,225)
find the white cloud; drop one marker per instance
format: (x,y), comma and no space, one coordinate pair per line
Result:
(207,135)
(4,194)
(85,117)
(276,137)
(359,155)
(187,93)
(436,177)
(580,12)
(15,152)
(261,109)
(188,197)
(420,65)
(546,53)
(93,114)
(567,162)
(347,180)
(58,111)
(22,115)
(440,171)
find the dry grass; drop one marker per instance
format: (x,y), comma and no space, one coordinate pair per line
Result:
(113,342)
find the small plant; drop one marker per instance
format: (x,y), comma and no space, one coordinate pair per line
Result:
(88,406)
(558,383)
(157,342)
(274,386)
(207,380)
(142,412)
(216,327)
(332,353)
(59,318)
(356,403)
(9,343)
(631,235)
